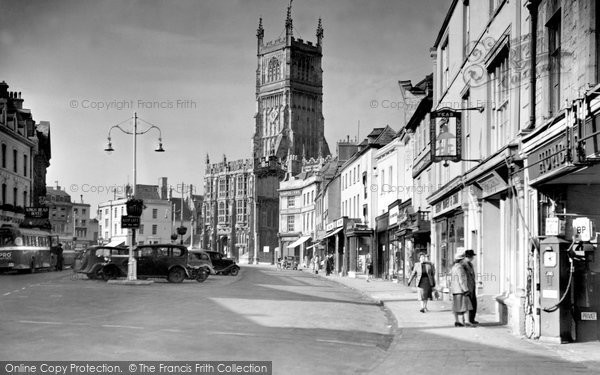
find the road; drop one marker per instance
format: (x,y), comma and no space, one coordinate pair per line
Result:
(302,323)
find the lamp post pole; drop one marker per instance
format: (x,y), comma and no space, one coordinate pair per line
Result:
(132,264)
(131,267)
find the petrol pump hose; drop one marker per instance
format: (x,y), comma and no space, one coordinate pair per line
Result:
(568,288)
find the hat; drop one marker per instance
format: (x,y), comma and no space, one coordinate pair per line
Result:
(459,255)
(470,253)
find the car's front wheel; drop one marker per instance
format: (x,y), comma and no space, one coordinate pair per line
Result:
(202,275)
(176,275)
(109,273)
(234,271)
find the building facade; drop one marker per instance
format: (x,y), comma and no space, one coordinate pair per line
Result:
(227,207)
(156,221)
(24,158)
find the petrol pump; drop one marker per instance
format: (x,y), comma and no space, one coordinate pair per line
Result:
(570,285)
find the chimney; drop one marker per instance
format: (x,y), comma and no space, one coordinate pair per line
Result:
(162,182)
(81,198)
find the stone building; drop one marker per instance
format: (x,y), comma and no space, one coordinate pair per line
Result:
(24,157)
(288,121)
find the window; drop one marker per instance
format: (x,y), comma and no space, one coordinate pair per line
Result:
(3,156)
(155,213)
(274,70)
(84,211)
(115,212)
(291,201)
(15,161)
(15,193)
(25,199)
(105,221)
(221,212)
(554,45)
(141,229)
(445,67)
(75,211)
(222,187)
(83,222)
(25,165)
(154,229)
(290,223)
(241,211)
(499,93)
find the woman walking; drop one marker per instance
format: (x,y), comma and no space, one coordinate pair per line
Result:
(460,289)
(424,272)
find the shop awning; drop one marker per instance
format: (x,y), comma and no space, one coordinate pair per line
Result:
(298,242)
(334,232)
(115,243)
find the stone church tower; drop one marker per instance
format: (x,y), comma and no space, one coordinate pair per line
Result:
(289,96)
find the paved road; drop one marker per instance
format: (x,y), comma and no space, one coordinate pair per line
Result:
(302,323)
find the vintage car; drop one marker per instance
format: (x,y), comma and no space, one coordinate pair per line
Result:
(200,264)
(168,261)
(92,261)
(221,264)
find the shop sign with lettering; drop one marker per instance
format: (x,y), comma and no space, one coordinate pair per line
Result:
(446,135)
(393,216)
(492,184)
(548,159)
(447,204)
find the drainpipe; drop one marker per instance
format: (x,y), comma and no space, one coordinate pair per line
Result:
(532,6)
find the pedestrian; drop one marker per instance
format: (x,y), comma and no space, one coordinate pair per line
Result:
(424,273)
(317,264)
(59,257)
(459,289)
(472,284)
(369,263)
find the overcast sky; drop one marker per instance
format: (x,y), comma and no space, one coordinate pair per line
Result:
(197,59)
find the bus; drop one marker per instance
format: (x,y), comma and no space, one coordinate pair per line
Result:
(26,249)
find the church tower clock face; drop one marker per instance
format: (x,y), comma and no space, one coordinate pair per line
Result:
(289,96)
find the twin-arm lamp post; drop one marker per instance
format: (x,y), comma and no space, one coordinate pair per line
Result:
(131,266)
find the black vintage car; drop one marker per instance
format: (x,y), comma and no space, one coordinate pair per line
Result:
(223,265)
(168,261)
(92,261)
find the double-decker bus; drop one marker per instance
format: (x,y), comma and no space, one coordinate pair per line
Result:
(24,249)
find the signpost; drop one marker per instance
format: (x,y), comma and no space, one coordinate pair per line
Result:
(130,221)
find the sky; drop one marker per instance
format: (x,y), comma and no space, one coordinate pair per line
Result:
(188,67)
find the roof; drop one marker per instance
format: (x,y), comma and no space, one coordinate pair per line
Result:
(146,192)
(50,190)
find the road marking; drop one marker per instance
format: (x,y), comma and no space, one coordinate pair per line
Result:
(32,322)
(346,342)
(232,333)
(118,326)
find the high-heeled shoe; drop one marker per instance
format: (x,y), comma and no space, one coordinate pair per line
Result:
(457,324)
(422,310)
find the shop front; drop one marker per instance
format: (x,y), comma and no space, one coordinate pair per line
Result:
(359,240)
(335,243)
(564,176)
(448,234)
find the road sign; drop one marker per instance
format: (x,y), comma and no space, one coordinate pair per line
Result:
(130,221)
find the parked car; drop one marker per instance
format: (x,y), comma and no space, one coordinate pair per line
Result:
(168,261)
(290,262)
(199,264)
(92,261)
(222,264)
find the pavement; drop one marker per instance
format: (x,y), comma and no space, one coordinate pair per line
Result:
(429,342)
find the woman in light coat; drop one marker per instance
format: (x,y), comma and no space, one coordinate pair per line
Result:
(424,273)
(459,288)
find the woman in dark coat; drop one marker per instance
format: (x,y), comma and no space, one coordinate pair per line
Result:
(460,291)
(424,273)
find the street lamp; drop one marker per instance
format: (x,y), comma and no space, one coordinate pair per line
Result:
(131,266)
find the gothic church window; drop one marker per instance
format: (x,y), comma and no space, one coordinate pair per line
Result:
(274,70)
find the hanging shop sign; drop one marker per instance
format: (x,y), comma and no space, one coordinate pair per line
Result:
(446,135)
(393,216)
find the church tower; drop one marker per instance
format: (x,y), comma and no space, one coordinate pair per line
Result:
(289,96)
